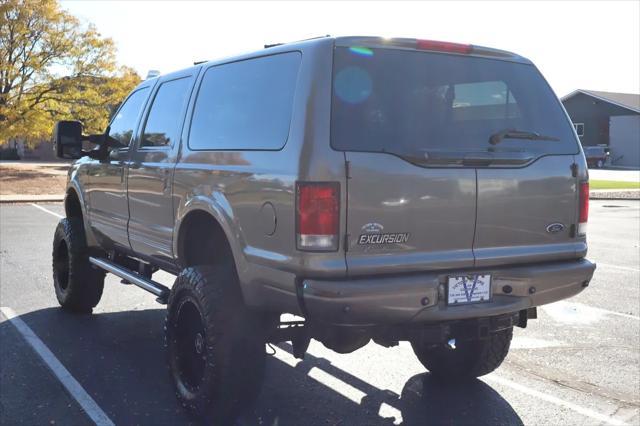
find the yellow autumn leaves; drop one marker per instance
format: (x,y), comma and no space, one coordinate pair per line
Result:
(53,68)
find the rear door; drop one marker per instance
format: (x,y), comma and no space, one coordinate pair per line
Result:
(427,189)
(526,212)
(402,215)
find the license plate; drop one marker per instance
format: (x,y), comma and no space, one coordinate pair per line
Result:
(469,289)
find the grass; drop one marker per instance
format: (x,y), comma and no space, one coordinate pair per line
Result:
(612,184)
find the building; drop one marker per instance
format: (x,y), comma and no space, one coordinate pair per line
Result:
(19,150)
(607,119)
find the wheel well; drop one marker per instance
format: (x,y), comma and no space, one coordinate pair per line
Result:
(72,206)
(202,241)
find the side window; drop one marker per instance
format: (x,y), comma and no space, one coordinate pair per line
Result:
(579,128)
(246,104)
(124,122)
(163,121)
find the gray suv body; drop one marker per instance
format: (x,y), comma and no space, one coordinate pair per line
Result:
(348,181)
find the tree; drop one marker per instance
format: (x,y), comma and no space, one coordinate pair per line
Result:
(52,68)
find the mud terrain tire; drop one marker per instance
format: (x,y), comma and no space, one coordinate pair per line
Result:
(470,359)
(77,284)
(215,345)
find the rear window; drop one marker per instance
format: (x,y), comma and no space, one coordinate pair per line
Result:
(411,103)
(246,104)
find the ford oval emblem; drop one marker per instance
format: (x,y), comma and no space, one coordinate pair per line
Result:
(554,228)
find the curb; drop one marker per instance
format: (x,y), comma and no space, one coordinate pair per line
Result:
(31,198)
(613,198)
(612,194)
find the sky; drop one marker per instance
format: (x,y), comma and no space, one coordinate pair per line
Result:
(577,45)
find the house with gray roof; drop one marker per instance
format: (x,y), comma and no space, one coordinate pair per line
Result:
(607,119)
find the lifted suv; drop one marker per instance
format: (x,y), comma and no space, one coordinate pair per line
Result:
(381,189)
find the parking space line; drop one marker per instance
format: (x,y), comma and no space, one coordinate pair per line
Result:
(339,386)
(47,210)
(357,395)
(623,268)
(72,386)
(323,377)
(556,401)
(608,312)
(594,309)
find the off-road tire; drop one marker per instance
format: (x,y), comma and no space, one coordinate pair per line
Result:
(232,358)
(77,284)
(470,359)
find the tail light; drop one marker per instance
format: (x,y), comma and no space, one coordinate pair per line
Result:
(317,215)
(443,46)
(584,208)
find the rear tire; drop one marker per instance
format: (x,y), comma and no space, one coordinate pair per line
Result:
(470,359)
(215,344)
(77,284)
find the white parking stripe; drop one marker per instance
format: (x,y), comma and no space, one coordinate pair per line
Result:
(356,395)
(47,210)
(608,312)
(323,377)
(623,268)
(337,385)
(62,374)
(557,401)
(573,312)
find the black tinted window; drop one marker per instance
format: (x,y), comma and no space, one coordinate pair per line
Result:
(411,102)
(164,119)
(124,122)
(246,104)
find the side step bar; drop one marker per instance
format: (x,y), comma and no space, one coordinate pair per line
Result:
(151,286)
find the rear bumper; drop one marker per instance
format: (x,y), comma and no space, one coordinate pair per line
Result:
(420,298)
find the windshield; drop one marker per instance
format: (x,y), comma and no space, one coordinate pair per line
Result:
(410,102)
(594,150)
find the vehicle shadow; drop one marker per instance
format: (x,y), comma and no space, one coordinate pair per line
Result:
(119,359)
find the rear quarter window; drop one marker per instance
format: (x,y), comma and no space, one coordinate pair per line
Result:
(245,105)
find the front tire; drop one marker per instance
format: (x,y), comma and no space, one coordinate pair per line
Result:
(77,284)
(470,359)
(215,344)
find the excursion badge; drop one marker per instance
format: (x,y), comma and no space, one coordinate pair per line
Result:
(373,235)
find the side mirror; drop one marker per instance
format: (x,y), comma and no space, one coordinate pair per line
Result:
(67,139)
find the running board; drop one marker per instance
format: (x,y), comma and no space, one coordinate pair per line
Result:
(151,286)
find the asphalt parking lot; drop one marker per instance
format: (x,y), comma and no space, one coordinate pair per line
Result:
(578,364)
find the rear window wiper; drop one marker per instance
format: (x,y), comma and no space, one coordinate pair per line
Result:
(496,138)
